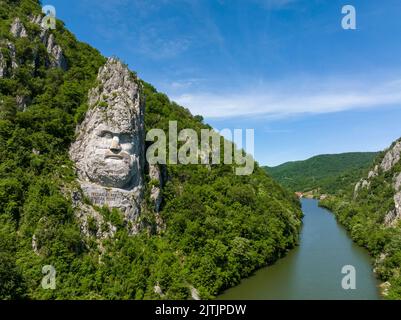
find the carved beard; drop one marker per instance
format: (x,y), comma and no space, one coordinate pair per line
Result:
(110,172)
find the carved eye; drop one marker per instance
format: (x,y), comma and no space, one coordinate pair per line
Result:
(106,134)
(125,138)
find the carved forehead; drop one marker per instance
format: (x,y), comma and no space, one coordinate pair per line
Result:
(110,119)
(112,128)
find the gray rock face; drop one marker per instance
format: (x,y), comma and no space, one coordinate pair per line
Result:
(392,157)
(8,61)
(397,202)
(13,55)
(36,19)
(155,174)
(356,189)
(92,223)
(361,185)
(22,102)
(373,173)
(17,29)
(3,65)
(397,182)
(158,290)
(35,245)
(394,215)
(194,293)
(56,56)
(57,59)
(56,53)
(109,150)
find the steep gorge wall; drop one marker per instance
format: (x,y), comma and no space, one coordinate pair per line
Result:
(372,214)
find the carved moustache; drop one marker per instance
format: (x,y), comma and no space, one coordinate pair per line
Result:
(122,155)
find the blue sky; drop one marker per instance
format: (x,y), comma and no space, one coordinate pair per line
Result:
(285,68)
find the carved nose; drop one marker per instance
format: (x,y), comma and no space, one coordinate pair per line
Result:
(115,145)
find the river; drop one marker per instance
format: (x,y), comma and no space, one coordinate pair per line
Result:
(313,269)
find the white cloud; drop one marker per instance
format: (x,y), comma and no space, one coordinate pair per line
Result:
(184,83)
(292,99)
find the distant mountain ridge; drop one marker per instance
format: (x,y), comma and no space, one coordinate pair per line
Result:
(330,173)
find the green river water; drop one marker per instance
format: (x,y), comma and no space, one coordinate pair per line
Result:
(313,269)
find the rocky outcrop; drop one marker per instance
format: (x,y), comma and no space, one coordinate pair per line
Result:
(394,215)
(194,293)
(22,102)
(391,157)
(8,60)
(385,288)
(57,59)
(373,173)
(17,29)
(35,247)
(109,149)
(92,223)
(156,175)
(158,290)
(357,188)
(397,182)
(360,185)
(3,65)
(56,56)
(36,20)
(13,55)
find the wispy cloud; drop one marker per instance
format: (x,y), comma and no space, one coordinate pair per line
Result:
(139,26)
(156,45)
(185,83)
(292,99)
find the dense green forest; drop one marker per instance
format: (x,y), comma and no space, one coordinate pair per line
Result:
(332,173)
(219,227)
(365,212)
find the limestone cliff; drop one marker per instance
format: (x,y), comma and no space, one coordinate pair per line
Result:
(18,29)
(56,55)
(8,52)
(8,61)
(372,215)
(388,164)
(109,150)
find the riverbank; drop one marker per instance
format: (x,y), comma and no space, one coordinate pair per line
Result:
(383,286)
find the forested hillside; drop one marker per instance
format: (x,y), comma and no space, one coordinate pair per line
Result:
(330,173)
(371,212)
(218,227)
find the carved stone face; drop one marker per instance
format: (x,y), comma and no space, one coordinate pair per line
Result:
(110,157)
(109,149)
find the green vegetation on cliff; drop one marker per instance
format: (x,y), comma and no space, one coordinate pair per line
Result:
(219,227)
(331,173)
(371,214)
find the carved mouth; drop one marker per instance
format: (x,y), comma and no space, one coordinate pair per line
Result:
(114,156)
